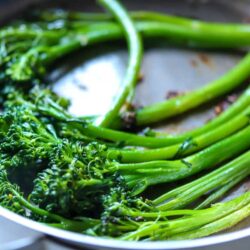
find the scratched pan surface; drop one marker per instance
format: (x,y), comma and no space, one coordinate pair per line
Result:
(94,75)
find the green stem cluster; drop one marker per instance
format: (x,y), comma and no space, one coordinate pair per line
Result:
(189,146)
(199,224)
(155,172)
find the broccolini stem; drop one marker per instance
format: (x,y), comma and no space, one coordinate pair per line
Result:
(73,41)
(157,112)
(167,140)
(231,173)
(189,146)
(92,131)
(174,33)
(124,137)
(152,23)
(99,32)
(218,225)
(20,34)
(234,110)
(67,224)
(157,214)
(207,158)
(35,209)
(135,58)
(224,189)
(138,140)
(181,104)
(171,228)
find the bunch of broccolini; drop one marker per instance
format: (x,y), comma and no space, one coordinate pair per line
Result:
(88,175)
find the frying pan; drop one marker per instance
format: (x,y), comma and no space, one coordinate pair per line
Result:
(92,78)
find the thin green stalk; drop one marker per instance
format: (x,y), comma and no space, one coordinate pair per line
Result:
(92,131)
(156,172)
(190,36)
(93,37)
(77,226)
(219,225)
(235,109)
(166,230)
(179,34)
(181,104)
(95,132)
(135,57)
(176,105)
(158,214)
(123,137)
(218,34)
(217,213)
(20,34)
(226,176)
(189,146)
(223,190)
(166,140)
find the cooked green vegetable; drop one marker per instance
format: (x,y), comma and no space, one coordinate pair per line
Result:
(198,224)
(165,140)
(177,198)
(189,146)
(67,172)
(156,24)
(12,198)
(154,172)
(179,105)
(135,58)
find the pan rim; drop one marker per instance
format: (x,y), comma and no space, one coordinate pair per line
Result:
(93,242)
